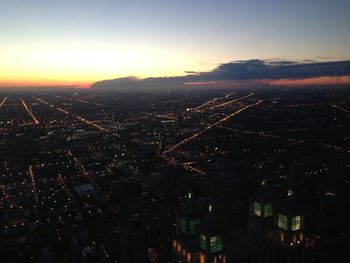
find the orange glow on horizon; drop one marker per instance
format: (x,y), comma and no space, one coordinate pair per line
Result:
(43,83)
(325,80)
(317,81)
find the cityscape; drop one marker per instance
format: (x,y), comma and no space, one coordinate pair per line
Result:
(243,175)
(174,131)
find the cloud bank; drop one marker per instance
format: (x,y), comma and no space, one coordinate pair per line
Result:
(246,73)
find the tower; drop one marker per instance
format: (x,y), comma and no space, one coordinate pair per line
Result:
(211,239)
(290,221)
(262,205)
(185,241)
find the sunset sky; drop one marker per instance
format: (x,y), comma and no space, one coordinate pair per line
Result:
(77,42)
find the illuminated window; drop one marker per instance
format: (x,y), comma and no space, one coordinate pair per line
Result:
(282,221)
(183,225)
(257,209)
(215,244)
(192,226)
(203,242)
(296,221)
(268,210)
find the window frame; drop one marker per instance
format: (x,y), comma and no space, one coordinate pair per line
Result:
(215,244)
(183,227)
(296,223)
(203,242)
(257,208)
(192,226)
(268,210)
(282,221)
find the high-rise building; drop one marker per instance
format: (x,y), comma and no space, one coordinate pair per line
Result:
(198,237)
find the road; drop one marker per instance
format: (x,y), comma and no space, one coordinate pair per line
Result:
(167,117)
(78,100)
(3,102)
(201,108)
(29,112)
(231,101)
(34,189)
(340,108)
(79,118)
(192,137)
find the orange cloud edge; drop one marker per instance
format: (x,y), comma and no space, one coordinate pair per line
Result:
(290,82)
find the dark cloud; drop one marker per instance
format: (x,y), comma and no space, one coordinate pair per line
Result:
(260,69)
(242,70)
(192,72)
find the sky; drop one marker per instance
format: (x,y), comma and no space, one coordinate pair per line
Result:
(77,42)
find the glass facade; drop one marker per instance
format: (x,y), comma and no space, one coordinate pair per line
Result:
(296,223)
(203,242)
(257,209)
(282,222)
(268,210)
(216,244)
(192,226)
(183,225)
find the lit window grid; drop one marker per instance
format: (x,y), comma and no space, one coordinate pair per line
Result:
(257,208)
(296,223)
(216,244)
(192,226)
(268,210)
(203,242)
(282,221)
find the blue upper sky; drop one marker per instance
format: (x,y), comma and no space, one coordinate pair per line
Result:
(91,39)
